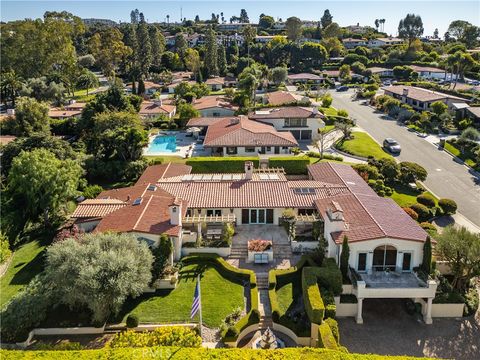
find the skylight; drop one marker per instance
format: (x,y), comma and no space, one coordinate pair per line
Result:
(152,188)
(304,191)
(137,201)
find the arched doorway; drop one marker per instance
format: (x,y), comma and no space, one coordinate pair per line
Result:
(385,257)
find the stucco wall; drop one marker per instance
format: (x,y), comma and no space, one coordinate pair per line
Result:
(217,110)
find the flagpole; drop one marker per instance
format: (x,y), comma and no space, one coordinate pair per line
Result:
(200,309)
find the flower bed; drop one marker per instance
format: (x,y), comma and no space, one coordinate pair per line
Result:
(259,245)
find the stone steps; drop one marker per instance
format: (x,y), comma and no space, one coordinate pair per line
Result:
(262,281)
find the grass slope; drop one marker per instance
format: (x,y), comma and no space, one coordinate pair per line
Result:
(219,298)
(25,264)
(363,145)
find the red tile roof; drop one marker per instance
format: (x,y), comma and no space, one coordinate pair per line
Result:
(155,108)
(213,101)
(240,131)
(420,94)
(304,76)
(63,113)
(280,98)
(92,208)
(204,121)
(426,68)
(286,112)
(154,173)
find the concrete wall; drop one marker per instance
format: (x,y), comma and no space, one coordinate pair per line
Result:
(395,293)
(345,310)
(301,341)
(443,310)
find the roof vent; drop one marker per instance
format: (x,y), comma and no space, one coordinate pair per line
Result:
(152,188)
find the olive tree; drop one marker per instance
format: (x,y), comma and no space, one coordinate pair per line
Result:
(99,271)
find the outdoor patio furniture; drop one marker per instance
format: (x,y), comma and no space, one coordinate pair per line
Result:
(260,258)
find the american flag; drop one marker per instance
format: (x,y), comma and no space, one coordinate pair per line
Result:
(196,301)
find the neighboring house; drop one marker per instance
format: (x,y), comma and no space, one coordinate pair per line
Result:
(304,78)
(75,106)
(421,99)
(381,71)
(214,106)
(61,114)
(302,122)
(151,88)
(351,43)
(218,83)
(473,113)
(332,74)
(428,72)
(152,109)
(379,42)
(171,87)
(234,26)
(240,136)
(263,39)
(5,139)
(280,98)
(358,29)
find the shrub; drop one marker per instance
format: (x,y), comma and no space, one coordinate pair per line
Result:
(92,191)
(5,251)
(232,331)
(162,336)
(367,172)
(330,311)
(325,337)
(132,321)
(312,299)
(334,327)
(344,258)
(471,301)
(220,164)
(413,214)
(411,172)
(291,165)
(426,199)
(422,211)
(327,100)
(448,206)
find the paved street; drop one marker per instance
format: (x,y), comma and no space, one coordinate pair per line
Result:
(446,177)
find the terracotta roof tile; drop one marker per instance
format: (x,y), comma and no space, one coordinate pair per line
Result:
(213,101)
(92,208)
(304,76)
(154,173)
(420,94)
(280,98)
(285,112)
(153,108)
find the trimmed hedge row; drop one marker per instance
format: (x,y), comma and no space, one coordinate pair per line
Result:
(236,275)
(292,165)
(312,298)
(220,164)
(334,327)
(160,353)
(325,337)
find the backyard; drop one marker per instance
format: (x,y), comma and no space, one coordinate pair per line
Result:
(362,145)
(25,264)
(220,297)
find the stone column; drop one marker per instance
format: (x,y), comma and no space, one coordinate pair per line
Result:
(359,318)
(428,314)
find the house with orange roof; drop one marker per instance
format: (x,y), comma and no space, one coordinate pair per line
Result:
(157,107)
(214,106)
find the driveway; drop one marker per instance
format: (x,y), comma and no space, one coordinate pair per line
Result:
(389,330)
(446,177)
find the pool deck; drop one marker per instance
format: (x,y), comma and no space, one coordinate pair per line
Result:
(185,145)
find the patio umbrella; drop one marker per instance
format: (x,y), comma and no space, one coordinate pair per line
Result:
(193,129)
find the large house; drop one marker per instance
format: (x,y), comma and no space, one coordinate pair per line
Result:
(280,98)
(214,106)
(379,42)
(152,109)
(241,136)
(385,243)
(218,83)
(419,98)
(429,72)
(72,110)
(304,78)
(351,43)
(302,122)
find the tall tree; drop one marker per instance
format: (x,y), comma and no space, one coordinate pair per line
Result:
(181,45)
(11,84)
(266,22)
(211,53)
(457,28)
(221,59)
(294,28)
(435,33)
(87,80)
(344,257)
(243,16)
(326,18)
(56,182)
(193,62)
(157,41)
(410,28)
(145,56)
(333,30)
(31,116)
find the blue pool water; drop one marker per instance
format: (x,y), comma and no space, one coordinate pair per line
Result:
(163,143)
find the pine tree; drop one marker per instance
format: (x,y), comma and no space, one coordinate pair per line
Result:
(211,53)
(222,59)
(144,46)
(326,19)
(157,41)
(344,257)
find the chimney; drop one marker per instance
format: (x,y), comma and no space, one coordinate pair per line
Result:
(158,102)
(175,210)
(248,170)
(234,120)
(336,221)
(405,92)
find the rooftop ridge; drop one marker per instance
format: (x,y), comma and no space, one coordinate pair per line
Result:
(369,214)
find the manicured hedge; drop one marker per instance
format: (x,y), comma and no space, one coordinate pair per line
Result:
(311,296)
(236,275)
(326,338)
(162,336)
(292,165)
(220,164)
(334,327)
(175,353)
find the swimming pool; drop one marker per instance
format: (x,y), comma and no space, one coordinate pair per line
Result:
(162,144)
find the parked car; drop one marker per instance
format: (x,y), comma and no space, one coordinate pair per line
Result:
(342,88)
(392,145)
(387,83)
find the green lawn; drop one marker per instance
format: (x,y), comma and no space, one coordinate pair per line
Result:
(285,297)
(405,196)
(289,298)
(25,264)
(455,151)
(219,298)
(330,111)
(363,145)
(328,128)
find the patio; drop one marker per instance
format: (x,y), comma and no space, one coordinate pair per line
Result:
(383,279)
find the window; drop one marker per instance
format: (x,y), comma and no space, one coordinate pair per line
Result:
(269,148)
(214,212)
(250,149)
(231,150)
(362,262)
(407,261)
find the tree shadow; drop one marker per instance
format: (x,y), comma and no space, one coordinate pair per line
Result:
(28,272)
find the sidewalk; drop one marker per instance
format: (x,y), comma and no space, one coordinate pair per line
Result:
(332,138)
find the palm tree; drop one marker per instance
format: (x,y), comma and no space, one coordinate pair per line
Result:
(377,24)
(382,21)
(168,20)
(11,84)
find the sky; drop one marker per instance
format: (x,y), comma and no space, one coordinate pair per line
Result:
(435,14)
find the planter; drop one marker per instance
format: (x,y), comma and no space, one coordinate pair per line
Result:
(304,245)
(344,309)
(251,255)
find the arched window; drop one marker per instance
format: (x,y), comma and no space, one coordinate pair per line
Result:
(385,257)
